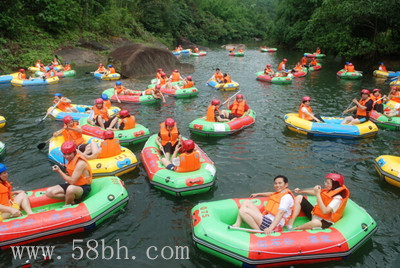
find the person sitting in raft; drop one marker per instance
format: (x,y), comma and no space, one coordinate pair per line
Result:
(382,67)
(313,62)
(108,148)
(378,100)
(331,202)
(159,72)
(188,82)
(119,89)
(22,75)
(38,64)
(303,61)
(126,121)
(187,161)
(227,79)
(217,76)
(240,50)
(297,68)
(101,69)
(196,49)
(238,108)
(51,72)
(64,104)
(268,70)
(350,68)
(73,132)
(106,101)
(67,66)
(318,51)
(305,111)
(231,50)
(394,93)
(362,108)
(276,213)
(110,69)
(175,76)
(213,112)
(78,178)
(55,62)
(11,201)
(282,65)
(168,137)
(99,115)
(155,92)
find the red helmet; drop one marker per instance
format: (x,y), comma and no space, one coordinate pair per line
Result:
(124,113)
(158,86)
(67,119)
(350,64)
(170,122)
(188,145)
(239,96)
(21,70)
(108,134)
(176,70)
(68,147)
(163,74)
(306,98)
(189,78)
(215,102)
(100,64)
(51,67)
(375,90)
(159,70)
(284,59)
(335,177)
(99,100)
(365,91)
(38,60)
(268,65)
(41,65)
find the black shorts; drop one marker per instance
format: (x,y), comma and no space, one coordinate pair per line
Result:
(106,124)
(307,208)
(82,147)
(86,190)
(169,148)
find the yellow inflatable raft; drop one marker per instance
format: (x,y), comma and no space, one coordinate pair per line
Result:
(2,121)
(388,167)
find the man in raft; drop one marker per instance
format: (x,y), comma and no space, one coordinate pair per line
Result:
(77,178)
(108,148)
(306,112)
(213,112)
(99,115)
(168,137)
(238,108)
(217,76)
(276,213)
(331,202)
(63,103)
(362,108)
(187,161)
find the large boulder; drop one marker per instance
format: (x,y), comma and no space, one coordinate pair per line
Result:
(139,60)
(79,56)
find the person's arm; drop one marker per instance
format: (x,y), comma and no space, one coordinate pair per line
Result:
(176,151)
(359,105)
(266,194)
(77,128)
(278,217)
(350,110)
(13,211)
(324,209)
(116,96)
(58,132)
(17,192)
(79,169)
(311,114)
(304,191)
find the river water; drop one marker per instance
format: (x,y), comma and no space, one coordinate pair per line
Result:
(246,162)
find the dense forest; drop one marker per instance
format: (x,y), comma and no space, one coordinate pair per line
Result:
(31,29)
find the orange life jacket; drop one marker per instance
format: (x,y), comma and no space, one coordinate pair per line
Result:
(67,67)
(82,180)
(163,81)
(167,136)
(218,76)
(227,79)
(238,108)
(189,84)
(189,162)
(111,70)
(148,91)
(313,62)
(63,105)
(52,73)
(22,76)
(327,197)
(303,61)
(274,201)
(298,68)
(196,50)
(5,193)
(110,148)
(375,99)
(175,77)
(350,69)
(70,135)
(102,112)
(318,51)
(158,75)
(346,67)
(211,113)
(129,122)
(280,67)
(268,70)
(119,89)
(360,111)
(101,69)
(383,68)
(304,115)
(107,104)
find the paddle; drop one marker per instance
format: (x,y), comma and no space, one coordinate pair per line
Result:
(89,72)
(61,62)
(49,112)
(230,97)
(391,79)
(245,229)
(40,146)
(347,108)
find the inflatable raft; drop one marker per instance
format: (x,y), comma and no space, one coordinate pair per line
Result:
(5,79)
(136,98)
(302,73)
(211,233)
(182,93)
(123,163)
(236,54)
(108,77)
(388,167)
(127,137)
(53,219)
(2,149)
(383,121)
(185,51)
(2,121)
(57,114)
(202,127)
(315,67)
(69,73)
(314,55)
(199,54)
(278,80)
(223,86)
(349,75)
(395,83)
(331,127)
(36,69)
(177,183)
(34,81)
(268,49)
(382,74)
